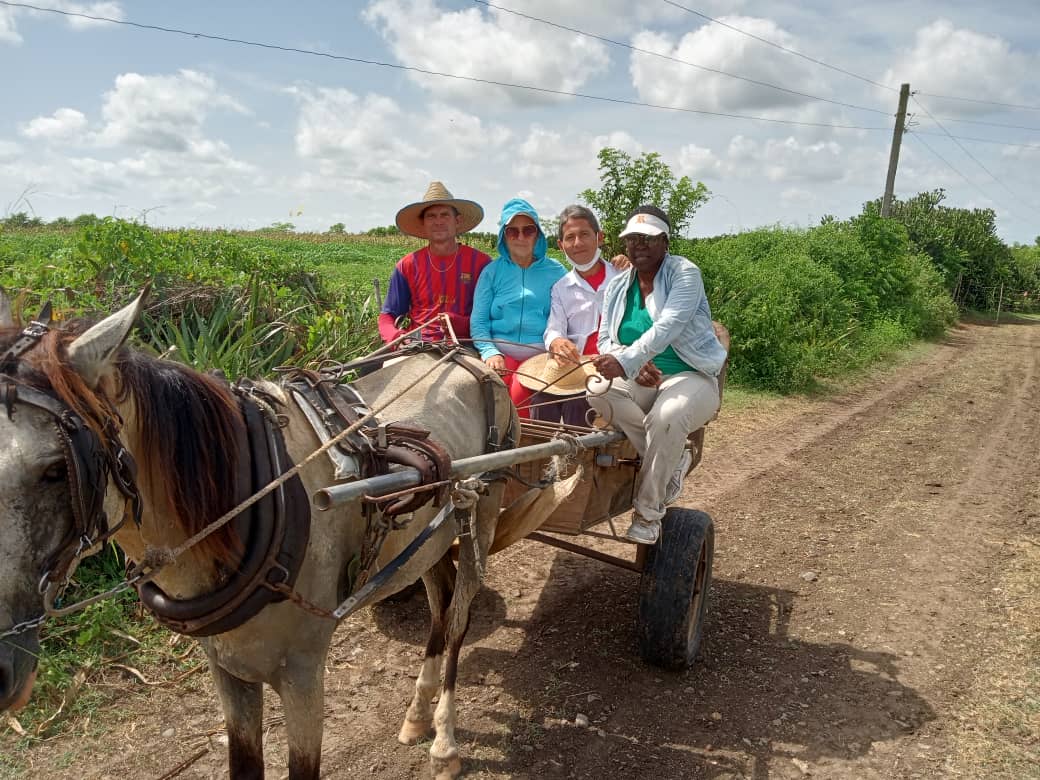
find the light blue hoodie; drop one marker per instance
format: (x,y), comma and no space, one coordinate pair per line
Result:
(511,304)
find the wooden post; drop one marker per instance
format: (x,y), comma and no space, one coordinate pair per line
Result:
(893,158)
(999,302)
(379,294)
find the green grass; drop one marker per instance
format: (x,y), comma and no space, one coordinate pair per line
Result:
(79,649)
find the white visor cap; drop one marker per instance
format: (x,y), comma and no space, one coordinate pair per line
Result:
(646,224)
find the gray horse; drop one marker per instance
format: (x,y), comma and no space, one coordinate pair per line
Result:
(179,425)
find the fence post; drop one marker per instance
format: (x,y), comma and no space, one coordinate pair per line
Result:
(379,294)
(999,302)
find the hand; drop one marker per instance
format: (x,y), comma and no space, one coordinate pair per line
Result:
(496,362)
(620,262)
(649,376)
(608,367)
(565,348)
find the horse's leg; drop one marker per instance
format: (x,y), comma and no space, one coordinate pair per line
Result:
(302,690)
(243,706)
(444,752)
(439,581)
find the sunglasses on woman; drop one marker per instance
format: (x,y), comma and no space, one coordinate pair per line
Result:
(526,230)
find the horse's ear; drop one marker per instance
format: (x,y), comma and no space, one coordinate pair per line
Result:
(91,354)
(6,317)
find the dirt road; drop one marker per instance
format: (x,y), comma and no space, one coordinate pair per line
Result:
(872,614)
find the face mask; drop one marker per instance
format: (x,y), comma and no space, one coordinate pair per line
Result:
(583,267)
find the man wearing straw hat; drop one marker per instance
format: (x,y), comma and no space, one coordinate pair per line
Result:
(573,327)
(439,278)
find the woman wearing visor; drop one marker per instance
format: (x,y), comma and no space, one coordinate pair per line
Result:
(658,347)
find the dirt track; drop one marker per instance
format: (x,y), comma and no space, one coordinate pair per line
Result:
(913,499)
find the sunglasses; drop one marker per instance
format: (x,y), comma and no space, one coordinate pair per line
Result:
(639,238)
(527,231)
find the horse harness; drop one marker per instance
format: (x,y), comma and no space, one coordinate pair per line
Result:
(274,531)
(91,459)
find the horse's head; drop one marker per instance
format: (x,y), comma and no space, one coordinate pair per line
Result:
(45,374)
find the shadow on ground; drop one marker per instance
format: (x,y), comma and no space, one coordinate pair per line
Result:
(756,695)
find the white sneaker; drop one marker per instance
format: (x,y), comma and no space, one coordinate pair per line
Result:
(675,483)
(643,531)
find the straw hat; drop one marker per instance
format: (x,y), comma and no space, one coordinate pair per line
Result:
(410,221)
(545,373)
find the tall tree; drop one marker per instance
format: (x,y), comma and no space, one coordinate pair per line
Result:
(626,183)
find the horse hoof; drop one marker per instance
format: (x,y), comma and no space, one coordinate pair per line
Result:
(446,768)
(414,730)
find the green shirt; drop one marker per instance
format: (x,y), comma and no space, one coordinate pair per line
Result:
(637,321)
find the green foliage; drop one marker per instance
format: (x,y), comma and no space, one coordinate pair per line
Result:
(627,184)
(338,229)
(389,230)
(803,304)
(79,646)
(962,244)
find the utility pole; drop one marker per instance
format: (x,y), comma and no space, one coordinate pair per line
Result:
(893,158)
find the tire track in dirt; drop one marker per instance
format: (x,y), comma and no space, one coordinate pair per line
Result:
(720,473)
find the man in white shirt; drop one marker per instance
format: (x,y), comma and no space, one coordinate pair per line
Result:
(576,303)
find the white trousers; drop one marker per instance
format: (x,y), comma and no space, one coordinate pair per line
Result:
(657,421)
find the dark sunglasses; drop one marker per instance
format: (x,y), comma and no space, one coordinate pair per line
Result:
(639,238)
(527,230)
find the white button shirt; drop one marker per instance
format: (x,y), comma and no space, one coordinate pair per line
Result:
(576,308)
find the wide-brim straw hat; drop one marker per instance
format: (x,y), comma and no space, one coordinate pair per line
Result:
(409,219)
(549,374)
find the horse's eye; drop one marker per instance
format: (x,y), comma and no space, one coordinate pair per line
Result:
(56,472)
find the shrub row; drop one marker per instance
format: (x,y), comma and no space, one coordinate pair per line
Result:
(802,304)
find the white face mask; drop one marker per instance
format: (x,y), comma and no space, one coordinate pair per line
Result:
(583,267)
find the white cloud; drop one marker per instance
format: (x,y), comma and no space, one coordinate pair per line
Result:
(494,46)
(63,124)
(698,162)
(946,60)
(8,33)
(9,150)
(666,82)
(787,159)
(153,128)
(109,10)
(606,17)
(359,142)
(160,112)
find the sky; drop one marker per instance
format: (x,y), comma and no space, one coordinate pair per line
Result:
(783,109)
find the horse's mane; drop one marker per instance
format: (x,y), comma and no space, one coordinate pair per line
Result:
(187,428)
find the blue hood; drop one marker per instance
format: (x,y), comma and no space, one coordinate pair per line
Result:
(510,210)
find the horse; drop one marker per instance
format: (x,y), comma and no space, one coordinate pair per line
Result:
(183,429)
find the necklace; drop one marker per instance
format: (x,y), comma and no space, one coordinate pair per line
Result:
(449,266)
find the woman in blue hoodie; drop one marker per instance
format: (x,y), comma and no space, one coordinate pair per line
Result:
(511,303)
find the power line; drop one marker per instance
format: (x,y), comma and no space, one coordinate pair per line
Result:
(781,48)
(978,140)
(768,42)
(969,154)
(984,102)
(707,68)
(958,172)
(985,124)
(426,72)
(950,166)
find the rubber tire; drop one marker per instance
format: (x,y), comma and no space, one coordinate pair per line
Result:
(673,589)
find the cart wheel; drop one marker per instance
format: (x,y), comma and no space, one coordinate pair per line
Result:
(673,591)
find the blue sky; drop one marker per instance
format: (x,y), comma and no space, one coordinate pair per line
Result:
(185,131)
